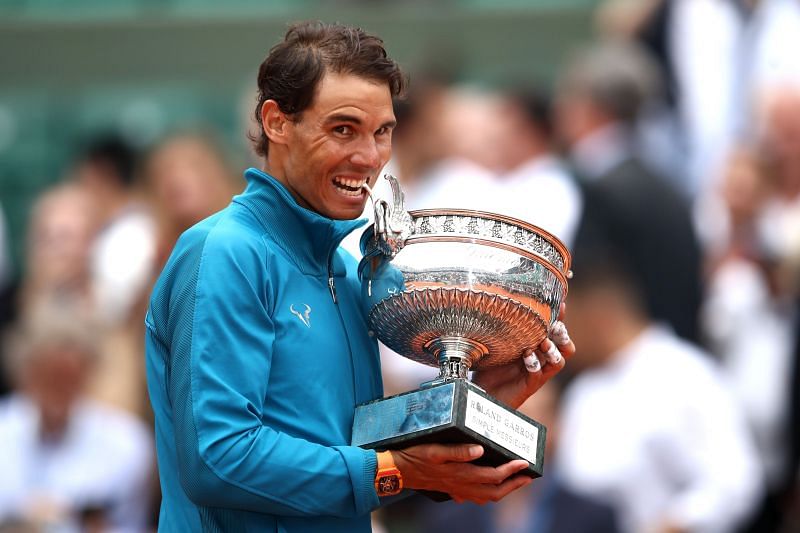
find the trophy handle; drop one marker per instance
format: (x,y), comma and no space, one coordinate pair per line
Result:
(393,225)
(390,230)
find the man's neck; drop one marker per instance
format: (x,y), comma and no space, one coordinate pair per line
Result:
(623,336)
(110,204)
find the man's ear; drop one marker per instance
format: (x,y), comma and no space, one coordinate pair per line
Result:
(274,122)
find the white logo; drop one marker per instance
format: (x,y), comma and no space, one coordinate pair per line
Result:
(305,317)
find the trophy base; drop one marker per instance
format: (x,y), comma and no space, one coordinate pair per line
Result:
(453,412)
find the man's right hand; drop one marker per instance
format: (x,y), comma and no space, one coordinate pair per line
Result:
(447,468)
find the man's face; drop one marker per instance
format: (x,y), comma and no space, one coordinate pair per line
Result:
(587,320)
(339,143)
(54,379)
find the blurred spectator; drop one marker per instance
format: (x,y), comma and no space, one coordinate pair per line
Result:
(418,141)
(188,178)
(123,253)
(534,185)
(728,221)
(61,230)
(648,425)
(780,145)
(626,205)
(68,462)
(470,136)
(690,39)
(749,315)
(752,291)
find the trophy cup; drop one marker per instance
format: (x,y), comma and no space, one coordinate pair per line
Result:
(459,290)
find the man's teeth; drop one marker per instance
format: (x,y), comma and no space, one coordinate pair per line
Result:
(350,186)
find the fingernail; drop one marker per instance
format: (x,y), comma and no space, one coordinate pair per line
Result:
(532,363)
(553,355)
(559,334)
(475,451)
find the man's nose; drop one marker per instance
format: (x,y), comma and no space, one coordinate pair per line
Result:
(367,154)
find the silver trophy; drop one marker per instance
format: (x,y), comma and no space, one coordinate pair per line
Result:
(459,290)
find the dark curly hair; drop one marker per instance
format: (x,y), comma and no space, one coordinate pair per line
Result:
(294,67)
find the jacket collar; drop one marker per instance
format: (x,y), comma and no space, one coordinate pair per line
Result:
(307,237)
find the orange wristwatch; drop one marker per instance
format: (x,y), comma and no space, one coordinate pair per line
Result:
(388,479)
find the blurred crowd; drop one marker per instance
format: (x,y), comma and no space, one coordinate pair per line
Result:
(78,451)
(666,155)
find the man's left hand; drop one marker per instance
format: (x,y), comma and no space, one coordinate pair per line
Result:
(513,383)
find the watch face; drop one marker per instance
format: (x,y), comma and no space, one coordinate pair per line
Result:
(388,484)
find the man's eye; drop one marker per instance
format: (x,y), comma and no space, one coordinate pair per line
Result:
(343,130)
(382,131)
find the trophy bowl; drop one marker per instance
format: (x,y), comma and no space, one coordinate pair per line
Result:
(477,286)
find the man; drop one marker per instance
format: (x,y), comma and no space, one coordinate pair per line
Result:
(667,459)
(257,344)
(123,252)
(68,461)
(602,94)
(534,171)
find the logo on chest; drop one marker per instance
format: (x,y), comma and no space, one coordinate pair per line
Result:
(304,316)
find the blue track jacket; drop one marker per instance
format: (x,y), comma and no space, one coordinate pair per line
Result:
(257,353)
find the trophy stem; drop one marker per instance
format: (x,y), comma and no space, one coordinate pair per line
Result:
(455,355)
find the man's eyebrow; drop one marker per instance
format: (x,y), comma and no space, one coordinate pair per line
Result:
(344,117)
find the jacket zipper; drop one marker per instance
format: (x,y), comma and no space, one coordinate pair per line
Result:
(331,283)
(332,286)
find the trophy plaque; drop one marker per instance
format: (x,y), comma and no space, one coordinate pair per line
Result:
(459,290)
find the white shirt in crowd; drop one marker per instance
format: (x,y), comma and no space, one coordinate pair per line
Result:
(104,460)
(540,191)
(656,434)
(122,263)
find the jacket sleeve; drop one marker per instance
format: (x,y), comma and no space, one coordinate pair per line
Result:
(218,382)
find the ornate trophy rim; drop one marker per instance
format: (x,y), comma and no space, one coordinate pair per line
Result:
(551,238)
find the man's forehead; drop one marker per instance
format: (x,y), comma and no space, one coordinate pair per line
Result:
(350,94)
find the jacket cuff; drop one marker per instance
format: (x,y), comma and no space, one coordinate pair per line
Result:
(362,465)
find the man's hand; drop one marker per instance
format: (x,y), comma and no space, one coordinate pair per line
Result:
(447,468)
(514,382)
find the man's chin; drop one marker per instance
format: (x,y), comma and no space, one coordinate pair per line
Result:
(350,212)
(347,216)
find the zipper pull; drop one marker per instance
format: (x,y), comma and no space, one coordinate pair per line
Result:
(332,287)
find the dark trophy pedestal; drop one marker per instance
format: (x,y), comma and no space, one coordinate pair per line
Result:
(451,412)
